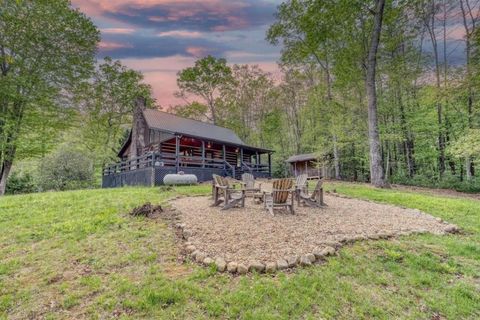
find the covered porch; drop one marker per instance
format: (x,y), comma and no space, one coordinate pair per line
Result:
(172,153)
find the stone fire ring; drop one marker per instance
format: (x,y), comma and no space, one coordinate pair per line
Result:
(243,240)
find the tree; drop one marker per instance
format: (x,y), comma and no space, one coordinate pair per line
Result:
(107,104)
(46,49)
(194,110)
(376,167)
(470,19)
(246,102)
(206,80)
(66,169)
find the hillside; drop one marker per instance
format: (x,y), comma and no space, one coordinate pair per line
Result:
(79,255)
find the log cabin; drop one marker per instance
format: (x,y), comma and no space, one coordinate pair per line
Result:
(161,143)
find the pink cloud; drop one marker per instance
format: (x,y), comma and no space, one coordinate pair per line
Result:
(117,30)
(181,34)
(161,74)
(456,32)
(97,7)
(198,52)
(111,45)
(166,64)
(234,22)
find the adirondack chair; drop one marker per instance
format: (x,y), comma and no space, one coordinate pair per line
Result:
(316,198)
(231,196)
(301,182)
(301,186)
(249,183)
(282,196)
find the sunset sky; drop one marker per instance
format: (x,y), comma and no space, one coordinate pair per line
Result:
(161,37)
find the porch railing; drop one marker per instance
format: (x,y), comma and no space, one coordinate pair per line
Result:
(157,159)
(229,169)
(254,167)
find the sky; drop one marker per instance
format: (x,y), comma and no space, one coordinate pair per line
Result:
(161,37)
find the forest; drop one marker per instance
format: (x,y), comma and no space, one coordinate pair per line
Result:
(384,91)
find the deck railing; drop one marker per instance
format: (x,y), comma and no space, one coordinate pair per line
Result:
(157,159)
(254,167)
(230,170)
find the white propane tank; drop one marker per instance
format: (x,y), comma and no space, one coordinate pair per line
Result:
(175,179)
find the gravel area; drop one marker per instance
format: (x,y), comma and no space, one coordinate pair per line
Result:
(243,235)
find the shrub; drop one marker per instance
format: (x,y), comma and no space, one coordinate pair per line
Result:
(66,169)
(20,183)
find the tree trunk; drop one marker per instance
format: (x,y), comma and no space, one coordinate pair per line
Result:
(441,140)
(8,156)
(354,163)
(336,158)
(377,177)
(10,146)
(408,143)
(336,154)
(4,172)
(468,32)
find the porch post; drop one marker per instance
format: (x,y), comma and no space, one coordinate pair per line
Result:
(203,154)
(177,152)
(269,164)
(259,159)
(241,157)
(223,150)
(256,160)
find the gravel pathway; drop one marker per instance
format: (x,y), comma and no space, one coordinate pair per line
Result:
(247,234)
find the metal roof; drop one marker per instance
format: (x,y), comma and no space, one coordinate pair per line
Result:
(171,123)
(302,157)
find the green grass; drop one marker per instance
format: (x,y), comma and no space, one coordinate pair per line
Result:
(78,255)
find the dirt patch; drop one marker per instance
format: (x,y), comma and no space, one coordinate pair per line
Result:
(171,217)
(248,234)
(146,210)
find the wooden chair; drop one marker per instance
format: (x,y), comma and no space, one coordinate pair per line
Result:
(301,182)
(282,196)
(301,186)
(249,183)
(231,196)
(316,198)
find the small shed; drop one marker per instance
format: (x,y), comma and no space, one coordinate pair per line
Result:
(304,163)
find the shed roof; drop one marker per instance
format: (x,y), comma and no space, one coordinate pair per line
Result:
(302,157)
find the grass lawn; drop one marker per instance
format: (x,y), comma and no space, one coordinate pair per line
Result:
(78,255)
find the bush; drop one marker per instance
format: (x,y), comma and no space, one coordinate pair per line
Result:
(66,169)
(20,183)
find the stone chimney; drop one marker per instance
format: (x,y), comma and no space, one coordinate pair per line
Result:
(138,128)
